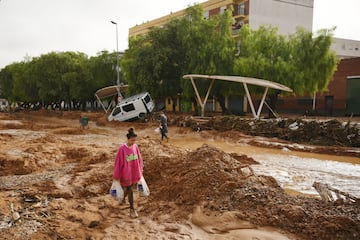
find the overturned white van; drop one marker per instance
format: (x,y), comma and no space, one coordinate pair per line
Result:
(137,106)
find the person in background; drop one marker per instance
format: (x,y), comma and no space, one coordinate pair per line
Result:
(163,126)
(128,168)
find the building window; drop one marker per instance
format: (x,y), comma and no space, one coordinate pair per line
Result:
(241,9)
(206,15)
(222,9)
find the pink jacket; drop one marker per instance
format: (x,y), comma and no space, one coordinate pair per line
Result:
(128,165)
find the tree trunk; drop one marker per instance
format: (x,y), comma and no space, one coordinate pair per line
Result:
(173,104)
(83,105)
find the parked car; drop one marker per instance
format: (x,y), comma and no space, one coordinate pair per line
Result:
(137,106)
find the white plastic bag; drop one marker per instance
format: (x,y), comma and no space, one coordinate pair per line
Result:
(116,191)
(143,187)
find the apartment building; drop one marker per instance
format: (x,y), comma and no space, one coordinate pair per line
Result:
(286,15)
(346,48)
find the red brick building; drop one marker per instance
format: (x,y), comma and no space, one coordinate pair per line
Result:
(342,97)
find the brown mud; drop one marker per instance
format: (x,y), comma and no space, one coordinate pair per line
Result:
(55,177)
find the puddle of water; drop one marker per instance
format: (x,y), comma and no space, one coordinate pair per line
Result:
(293,170)
(299,173)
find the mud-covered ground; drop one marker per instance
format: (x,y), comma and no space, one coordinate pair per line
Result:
(55,177)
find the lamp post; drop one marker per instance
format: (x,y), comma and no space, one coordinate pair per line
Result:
(117,61)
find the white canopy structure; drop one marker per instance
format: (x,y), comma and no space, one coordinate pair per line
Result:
(107,92)
(244,80)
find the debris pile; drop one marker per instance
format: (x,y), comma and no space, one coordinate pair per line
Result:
(221,182)
(327,133)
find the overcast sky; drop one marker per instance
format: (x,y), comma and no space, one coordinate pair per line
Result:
(31,28)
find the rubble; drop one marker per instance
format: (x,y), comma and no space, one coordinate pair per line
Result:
(324,133)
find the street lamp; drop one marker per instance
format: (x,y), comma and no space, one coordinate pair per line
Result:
(117,61)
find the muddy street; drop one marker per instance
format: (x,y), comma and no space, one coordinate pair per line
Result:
(55,177)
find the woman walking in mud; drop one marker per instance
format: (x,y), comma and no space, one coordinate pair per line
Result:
(128,167)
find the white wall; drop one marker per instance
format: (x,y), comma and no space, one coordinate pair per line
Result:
(345,48)
(286,15)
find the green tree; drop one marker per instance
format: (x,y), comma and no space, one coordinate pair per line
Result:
(210,49)
(313,60)
(102,68)
(301,61)
(24,88)
(157,61)
(154,62)
(133,67)
(60,76)
(6,83)
(264,54)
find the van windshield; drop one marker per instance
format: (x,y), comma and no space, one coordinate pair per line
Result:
(116,111)
(147,98)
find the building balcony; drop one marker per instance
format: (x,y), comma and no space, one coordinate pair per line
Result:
(239,17)
(238,1)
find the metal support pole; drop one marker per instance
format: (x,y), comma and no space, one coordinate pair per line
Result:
(314,102)
(117,60)
(202,103)
(250,101)
(261,103)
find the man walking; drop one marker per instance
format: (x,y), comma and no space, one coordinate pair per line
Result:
(163,126)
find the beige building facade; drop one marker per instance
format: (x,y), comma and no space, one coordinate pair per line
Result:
(286,15)
(346,48)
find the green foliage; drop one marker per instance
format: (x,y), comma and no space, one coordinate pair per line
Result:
(157,61)
(264,54)
(6,83)
(24,89)
(313,60)
(103,69)
(301,61)
(210,48)
(154,62)
(58,76)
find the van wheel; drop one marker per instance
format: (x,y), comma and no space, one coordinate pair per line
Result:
(142,116)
